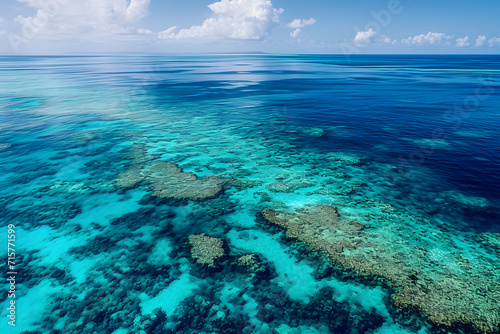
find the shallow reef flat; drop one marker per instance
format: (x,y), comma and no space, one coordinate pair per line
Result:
(169,181)
(172,215)
(424,266)
(448,287)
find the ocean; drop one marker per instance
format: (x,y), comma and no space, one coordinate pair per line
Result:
(250,193)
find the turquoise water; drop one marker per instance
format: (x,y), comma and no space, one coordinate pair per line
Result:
(113,235)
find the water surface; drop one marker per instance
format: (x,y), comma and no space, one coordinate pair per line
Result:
(406,145)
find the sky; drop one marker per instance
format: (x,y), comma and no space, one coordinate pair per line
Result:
(274,26)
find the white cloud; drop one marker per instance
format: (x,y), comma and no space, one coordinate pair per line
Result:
(60,19)
(301,23)
(167,33)
(298,24)
(144,31)
(493,41)
(295,33)
(480,40)
(136,10)
(386,40)
(432,38)
(461,42)
(363,37)
(233,19)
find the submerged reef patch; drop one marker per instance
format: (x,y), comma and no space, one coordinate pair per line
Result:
(432,144)
(136,173)
(314,132)
(344,158)
(450,294)
(247,260)
(491,239)
(205,249)
(169,181)
(130,178)
(288,186)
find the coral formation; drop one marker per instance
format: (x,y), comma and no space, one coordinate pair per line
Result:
(314,132)
(130,178)
(448,295)
(247,260)
(139,154)
(136,173)
(205,249)
(169,181)
(85,136)
(491,239)
(433,144)
(287,186)
(98,259)
(344,157)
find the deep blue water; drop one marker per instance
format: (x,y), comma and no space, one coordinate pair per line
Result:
(418,134)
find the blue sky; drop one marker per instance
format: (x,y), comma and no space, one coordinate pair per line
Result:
(278,26)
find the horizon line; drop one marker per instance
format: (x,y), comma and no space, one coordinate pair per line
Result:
(103,54)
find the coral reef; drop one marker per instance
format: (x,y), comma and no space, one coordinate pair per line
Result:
(85,136)
(98,253)
(136,173)
(130,178)
(433,144)
(462,295)
(314,132)
(139,154)
(169,181)
(247,260)
(344,158)
(491,239)
(205,249)
(288,186)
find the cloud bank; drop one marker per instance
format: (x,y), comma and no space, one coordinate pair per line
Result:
(431,38)
(94,21)
(232,19)
(66,17)
(371,37)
